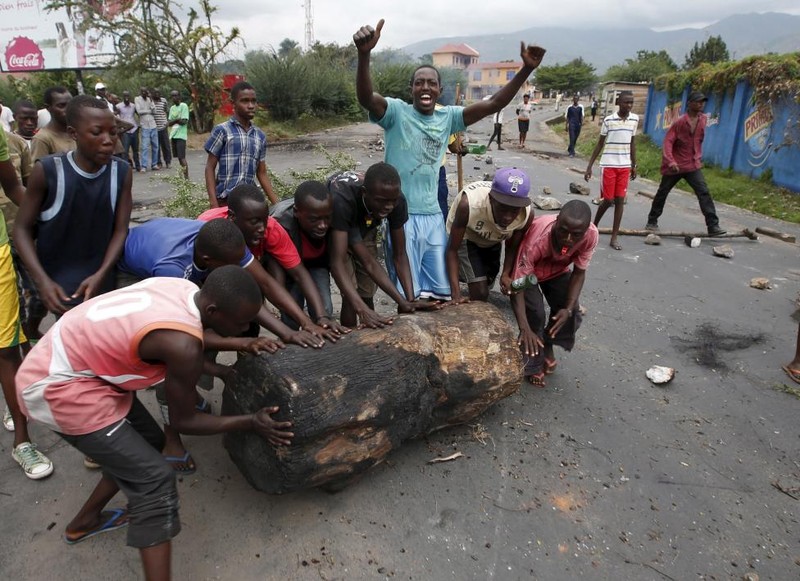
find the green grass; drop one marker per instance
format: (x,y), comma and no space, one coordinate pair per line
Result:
(728,187)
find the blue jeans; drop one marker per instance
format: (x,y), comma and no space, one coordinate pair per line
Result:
(322,280)
(149,145)
(574,133)
(131,141)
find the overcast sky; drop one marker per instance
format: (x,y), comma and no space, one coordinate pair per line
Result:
(266,23)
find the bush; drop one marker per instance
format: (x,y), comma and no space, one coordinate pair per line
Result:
(301,84)
(335,162)
(190,199)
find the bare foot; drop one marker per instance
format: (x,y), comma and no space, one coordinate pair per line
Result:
(614,244)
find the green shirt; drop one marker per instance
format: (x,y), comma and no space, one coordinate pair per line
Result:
(176,112)
(4,157)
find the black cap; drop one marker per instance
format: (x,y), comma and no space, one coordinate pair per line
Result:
(697,96)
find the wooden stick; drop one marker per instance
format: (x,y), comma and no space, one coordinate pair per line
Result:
(746,233)
(776,234)
(459,138)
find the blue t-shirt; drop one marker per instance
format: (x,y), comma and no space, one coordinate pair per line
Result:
(415,144)
(165,247)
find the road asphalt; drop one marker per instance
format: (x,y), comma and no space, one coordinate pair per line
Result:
(602,475)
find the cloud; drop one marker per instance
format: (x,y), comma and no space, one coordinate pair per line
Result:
(266,24)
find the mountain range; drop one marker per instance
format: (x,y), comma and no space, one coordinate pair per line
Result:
(744,34)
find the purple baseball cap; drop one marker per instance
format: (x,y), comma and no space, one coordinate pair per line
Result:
(510,187)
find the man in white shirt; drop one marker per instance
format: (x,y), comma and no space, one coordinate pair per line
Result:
(6,117)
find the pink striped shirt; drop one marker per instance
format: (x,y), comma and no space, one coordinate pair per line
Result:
(536,253)
(81,376)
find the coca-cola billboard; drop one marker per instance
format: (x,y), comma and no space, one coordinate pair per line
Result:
(33,38)
(22,54)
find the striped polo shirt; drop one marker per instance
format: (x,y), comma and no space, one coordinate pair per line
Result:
(618,133)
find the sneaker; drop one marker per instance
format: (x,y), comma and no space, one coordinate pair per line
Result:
(651,226)
(716,231)
(8,421)
(35,464)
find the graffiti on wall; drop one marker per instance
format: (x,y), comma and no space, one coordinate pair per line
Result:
(758,135)
(668,116)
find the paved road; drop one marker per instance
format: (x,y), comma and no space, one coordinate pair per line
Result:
(599,476)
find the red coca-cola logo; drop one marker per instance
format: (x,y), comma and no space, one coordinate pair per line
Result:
(22,54)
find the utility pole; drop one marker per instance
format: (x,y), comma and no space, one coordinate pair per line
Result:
(309,25)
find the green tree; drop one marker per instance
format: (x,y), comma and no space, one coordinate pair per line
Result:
(288,47)
(645,67)
(426,59)
(576,75)
(390,56)
(182,47)
(450,79)
(336,56)
(393,80)
(714,50)
(303,84)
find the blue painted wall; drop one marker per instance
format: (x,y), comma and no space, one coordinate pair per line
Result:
(740,136)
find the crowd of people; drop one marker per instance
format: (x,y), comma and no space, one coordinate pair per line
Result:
(151,306)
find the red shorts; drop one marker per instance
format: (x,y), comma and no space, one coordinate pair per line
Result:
(614,182)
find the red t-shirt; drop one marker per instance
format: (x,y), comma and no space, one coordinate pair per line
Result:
(310,251)
(276,241)
(537,256)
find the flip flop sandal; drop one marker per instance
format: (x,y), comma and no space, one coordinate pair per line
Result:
(113,520)
(616,246)
(536,380)
(183,465)
(794,374)
(550,366)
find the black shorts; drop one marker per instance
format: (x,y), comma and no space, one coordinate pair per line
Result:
(129,451)
(477,263)
(523,125)
(178,148)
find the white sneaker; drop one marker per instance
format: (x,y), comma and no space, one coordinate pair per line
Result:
(35,464)
(8,421)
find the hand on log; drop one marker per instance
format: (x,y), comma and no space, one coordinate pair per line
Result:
(372,320)
(420,305)
(330,323)
(455,301)
(304,339)
(262,345)
(324,333)
(269,429)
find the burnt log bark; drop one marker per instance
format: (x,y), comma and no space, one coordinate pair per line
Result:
(355,401)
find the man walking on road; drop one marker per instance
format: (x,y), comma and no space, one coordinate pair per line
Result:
(681,158)
(574,117)
(498,131)
(524,119)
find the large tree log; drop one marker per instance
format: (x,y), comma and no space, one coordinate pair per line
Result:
(354,401)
